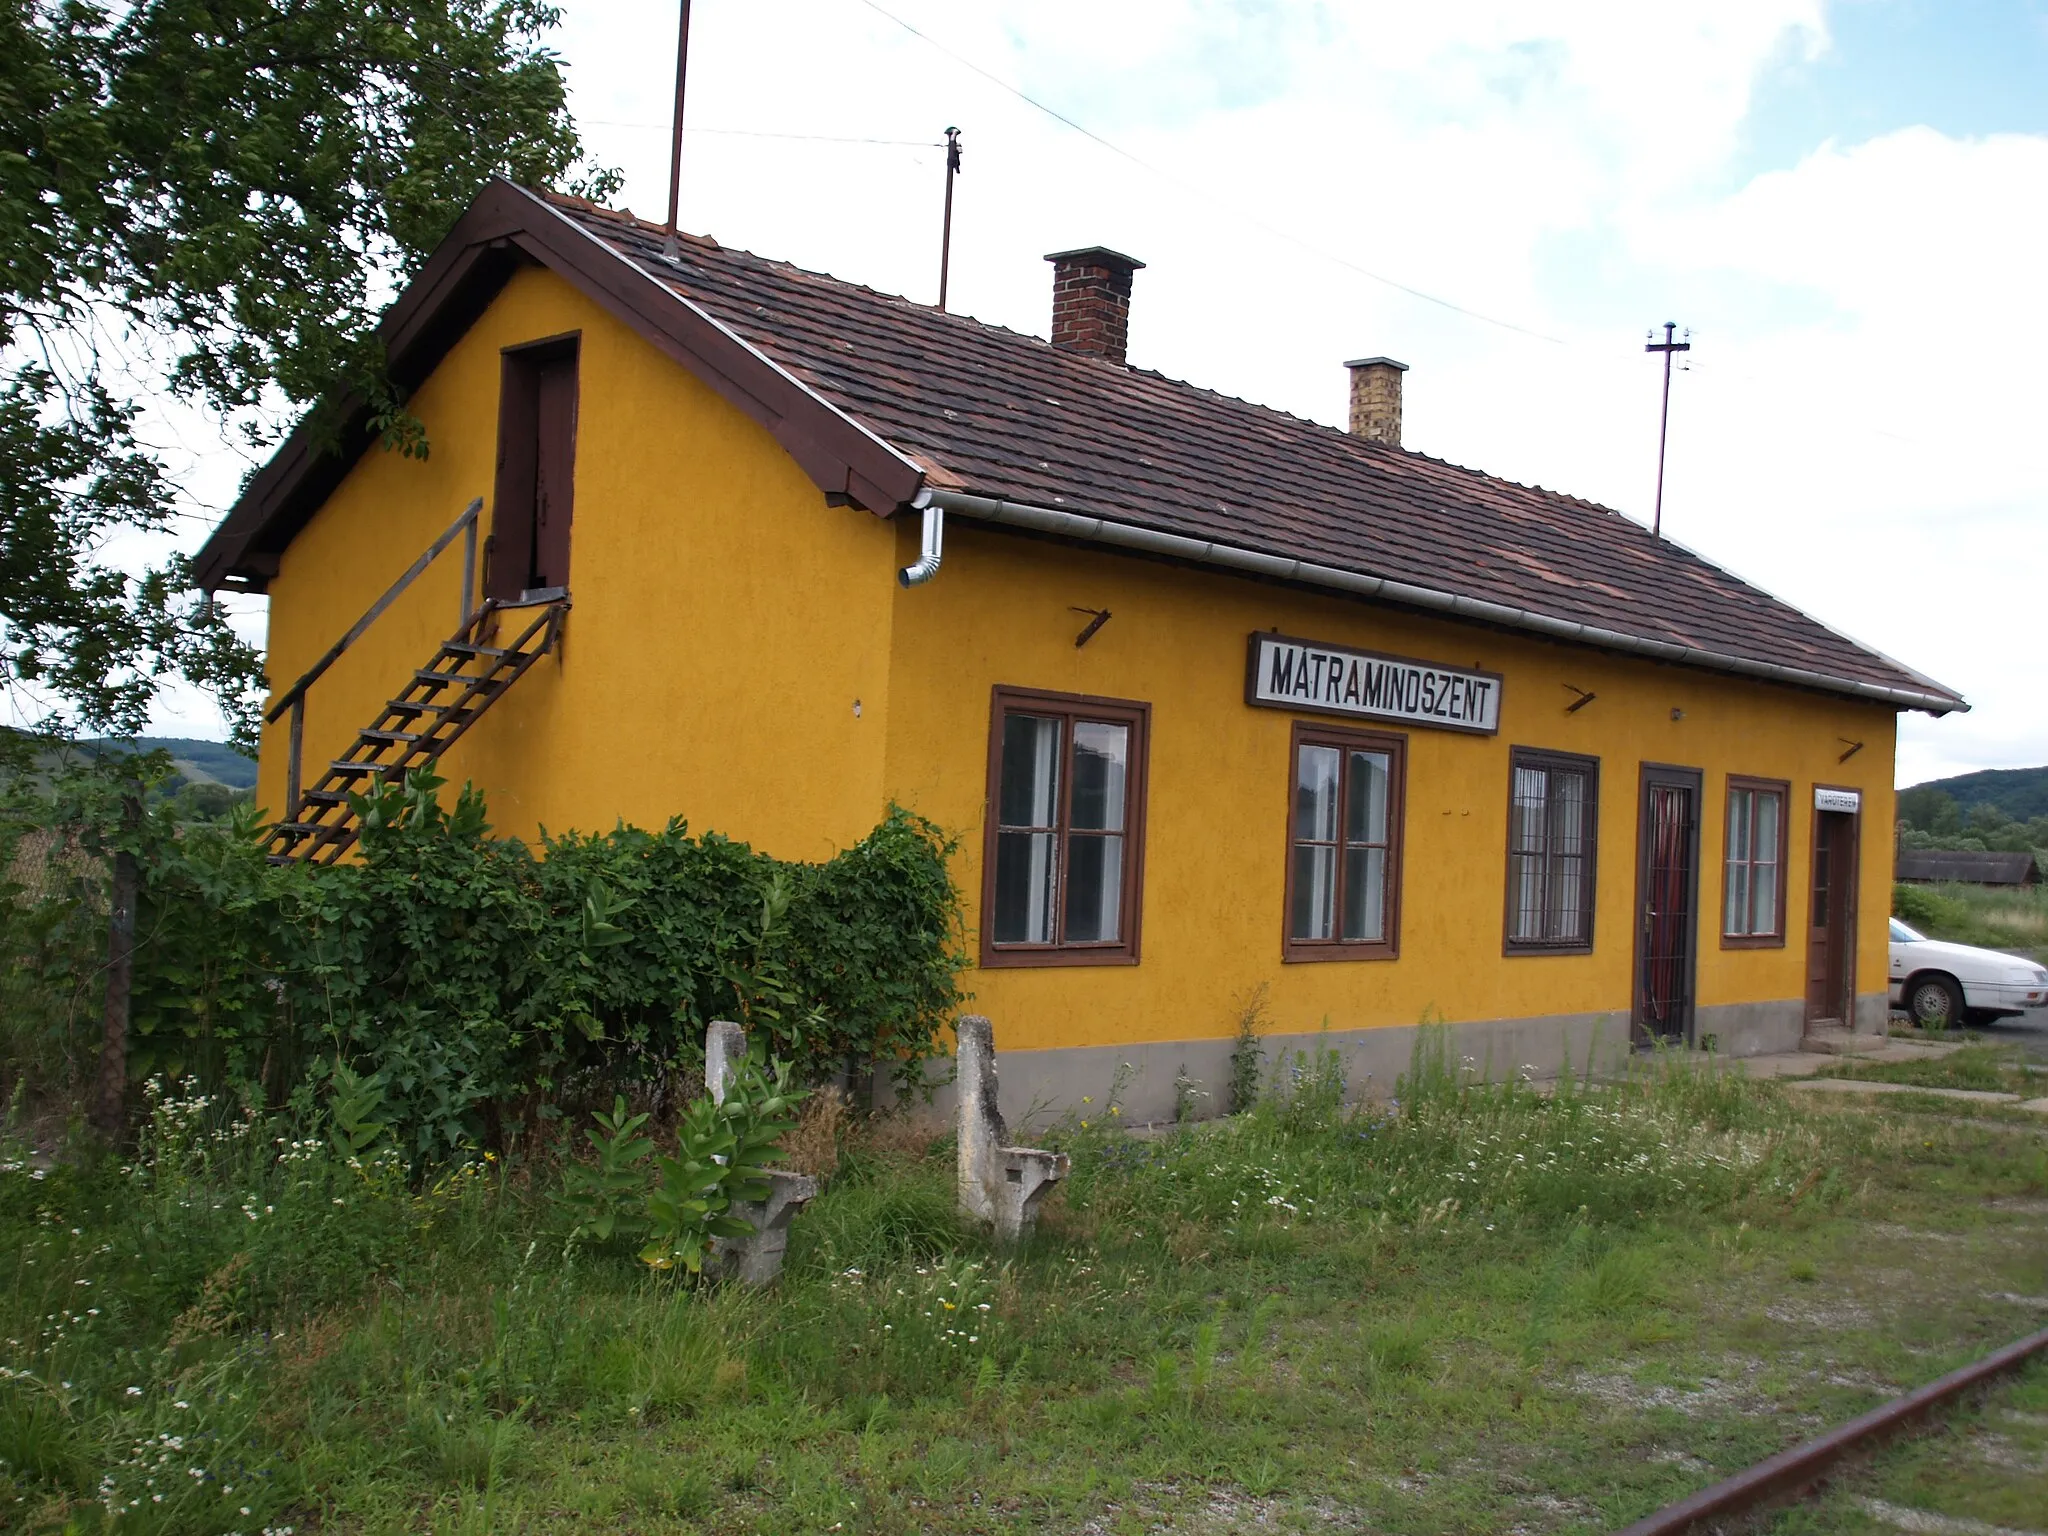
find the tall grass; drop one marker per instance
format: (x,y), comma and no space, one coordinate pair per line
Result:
(1450,1145)
(242,1326)
(1996,917)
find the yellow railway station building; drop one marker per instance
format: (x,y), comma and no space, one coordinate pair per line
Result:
(1213,698)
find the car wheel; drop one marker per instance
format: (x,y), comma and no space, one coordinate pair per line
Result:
(1935,1002)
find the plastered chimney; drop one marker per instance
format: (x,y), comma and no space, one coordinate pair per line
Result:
(1376,399)
(1091,301)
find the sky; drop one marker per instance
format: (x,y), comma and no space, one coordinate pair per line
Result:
(1844,201)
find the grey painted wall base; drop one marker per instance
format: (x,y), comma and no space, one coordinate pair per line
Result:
(1041,1087)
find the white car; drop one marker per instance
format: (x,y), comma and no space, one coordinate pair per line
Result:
(1937,985)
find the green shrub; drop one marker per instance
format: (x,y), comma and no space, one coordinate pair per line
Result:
(478,979)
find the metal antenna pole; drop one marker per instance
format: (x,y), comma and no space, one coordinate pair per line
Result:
(946,233)
(675,155)
(1667,346)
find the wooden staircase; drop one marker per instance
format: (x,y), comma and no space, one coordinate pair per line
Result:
(444,698)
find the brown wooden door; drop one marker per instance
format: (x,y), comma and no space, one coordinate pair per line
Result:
(1667,903)
(530,516)
(1831,921)
(554,471)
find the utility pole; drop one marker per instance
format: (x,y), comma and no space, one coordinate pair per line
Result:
(946,232)
(675,154)
(1667,346)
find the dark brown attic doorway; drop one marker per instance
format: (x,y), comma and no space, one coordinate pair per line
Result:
(529,549)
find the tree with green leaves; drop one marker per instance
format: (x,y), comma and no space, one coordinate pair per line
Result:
(213,199)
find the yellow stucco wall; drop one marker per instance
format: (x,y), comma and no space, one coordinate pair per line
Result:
(726,621)
(1000,612)
(712,588)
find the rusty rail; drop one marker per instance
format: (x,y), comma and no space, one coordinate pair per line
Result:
(294,697)
(1799,1469)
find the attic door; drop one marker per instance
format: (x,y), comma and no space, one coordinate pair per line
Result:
(529,551)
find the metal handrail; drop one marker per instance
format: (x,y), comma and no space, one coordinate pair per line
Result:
(294,699)
(466,522)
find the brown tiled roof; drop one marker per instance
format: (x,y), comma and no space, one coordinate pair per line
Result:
(989,411)
(878,398)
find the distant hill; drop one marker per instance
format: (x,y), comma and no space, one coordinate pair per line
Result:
(2022,793)
(204,762)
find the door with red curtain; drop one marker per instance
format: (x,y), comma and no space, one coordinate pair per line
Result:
(1667,905)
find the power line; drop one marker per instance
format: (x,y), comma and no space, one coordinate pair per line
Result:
(762,133)
(1279,234)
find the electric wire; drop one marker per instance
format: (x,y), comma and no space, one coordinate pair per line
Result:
(1190,188)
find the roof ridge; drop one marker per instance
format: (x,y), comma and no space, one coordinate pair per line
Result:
(1128,370)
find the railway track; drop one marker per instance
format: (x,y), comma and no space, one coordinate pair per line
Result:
(1804,1468)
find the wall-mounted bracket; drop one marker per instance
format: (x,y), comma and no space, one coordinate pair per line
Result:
(1098,618)
(1854,748)
(1585,697)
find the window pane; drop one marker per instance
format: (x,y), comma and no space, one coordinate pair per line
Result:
(1095,887)
(1315,892)
(1026,870)
(1740,802)
(1315,794)
(1365,813)
(1526,833)
(1736,919)
(1568,812)
(1766,896)
(1100,752)
(1365,893)
(1525,898)
(1765,847)
(1029,795)
(1567,900)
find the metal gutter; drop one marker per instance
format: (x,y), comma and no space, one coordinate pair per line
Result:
(1074,525)
(1795,1471)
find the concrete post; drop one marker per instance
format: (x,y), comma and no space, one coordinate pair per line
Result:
(999,1185)
(725,1048)
(755,1259)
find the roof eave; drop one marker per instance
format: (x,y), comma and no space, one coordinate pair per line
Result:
(1098,530)
(505,226)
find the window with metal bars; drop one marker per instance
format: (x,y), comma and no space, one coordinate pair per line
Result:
(1553,821)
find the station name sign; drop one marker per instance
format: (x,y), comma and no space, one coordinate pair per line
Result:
(1335,680)
(1850,800)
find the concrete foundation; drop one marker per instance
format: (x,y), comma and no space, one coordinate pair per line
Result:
(1038,1088)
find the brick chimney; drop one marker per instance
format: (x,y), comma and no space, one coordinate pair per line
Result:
(1091,301)
(1376,399)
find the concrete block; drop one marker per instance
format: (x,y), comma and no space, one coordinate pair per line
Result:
(755,1259)
(999,1185)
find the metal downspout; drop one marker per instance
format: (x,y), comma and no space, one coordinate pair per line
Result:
(934,548)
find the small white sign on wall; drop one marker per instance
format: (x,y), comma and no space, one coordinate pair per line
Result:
(1850,800)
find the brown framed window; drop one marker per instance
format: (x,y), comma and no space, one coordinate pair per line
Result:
(1063,869)
(1553,835)
(1344,845)
(1753,867)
